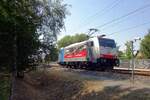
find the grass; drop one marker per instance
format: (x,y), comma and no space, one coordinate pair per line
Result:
(4,86)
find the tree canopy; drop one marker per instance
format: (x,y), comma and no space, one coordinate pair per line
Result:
(145,46)
(22,22)
(128,52)
(67,40)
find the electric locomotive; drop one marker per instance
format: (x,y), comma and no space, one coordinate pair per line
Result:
(97,52)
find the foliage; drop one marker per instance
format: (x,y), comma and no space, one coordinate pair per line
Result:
(67,40)
(145,46)
(22,23)
(4,87)
(53,55)
(128,52)
(121,54)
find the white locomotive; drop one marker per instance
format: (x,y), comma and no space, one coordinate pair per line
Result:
(97,52)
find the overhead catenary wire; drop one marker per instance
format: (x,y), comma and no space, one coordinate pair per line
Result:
(123,16)
(115,24)
(107,8)
(104,10)
(129,28)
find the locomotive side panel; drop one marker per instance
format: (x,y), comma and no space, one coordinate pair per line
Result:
(76,53)
(61,56)
(95,49)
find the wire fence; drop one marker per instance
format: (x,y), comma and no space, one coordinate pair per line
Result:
(139,63)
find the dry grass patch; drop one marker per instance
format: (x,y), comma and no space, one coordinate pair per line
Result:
(58,84)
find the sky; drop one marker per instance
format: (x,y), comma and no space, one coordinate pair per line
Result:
(86,14)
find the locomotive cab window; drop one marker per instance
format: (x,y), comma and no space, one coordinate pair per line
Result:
(107,42)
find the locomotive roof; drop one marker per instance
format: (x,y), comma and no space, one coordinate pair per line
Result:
(83,42)
(76,44)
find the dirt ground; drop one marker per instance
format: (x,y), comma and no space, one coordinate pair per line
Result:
(63,84)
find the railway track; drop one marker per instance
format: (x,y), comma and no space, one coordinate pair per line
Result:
(142,72)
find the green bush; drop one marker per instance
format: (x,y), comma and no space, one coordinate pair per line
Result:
(4,87)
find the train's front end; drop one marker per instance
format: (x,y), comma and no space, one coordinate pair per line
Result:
(107,52)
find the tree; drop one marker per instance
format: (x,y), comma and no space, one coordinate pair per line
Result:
(128,52)
(22,23)
(52,55)
(80,37)
(145,46)
(67,40)
(121,54)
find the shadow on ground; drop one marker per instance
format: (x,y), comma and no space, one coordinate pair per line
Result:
(117,93)
(41,86)
(45,87)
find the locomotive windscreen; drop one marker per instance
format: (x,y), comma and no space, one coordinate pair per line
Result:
(107,42)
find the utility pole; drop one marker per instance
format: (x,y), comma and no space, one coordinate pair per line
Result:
(132,60)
